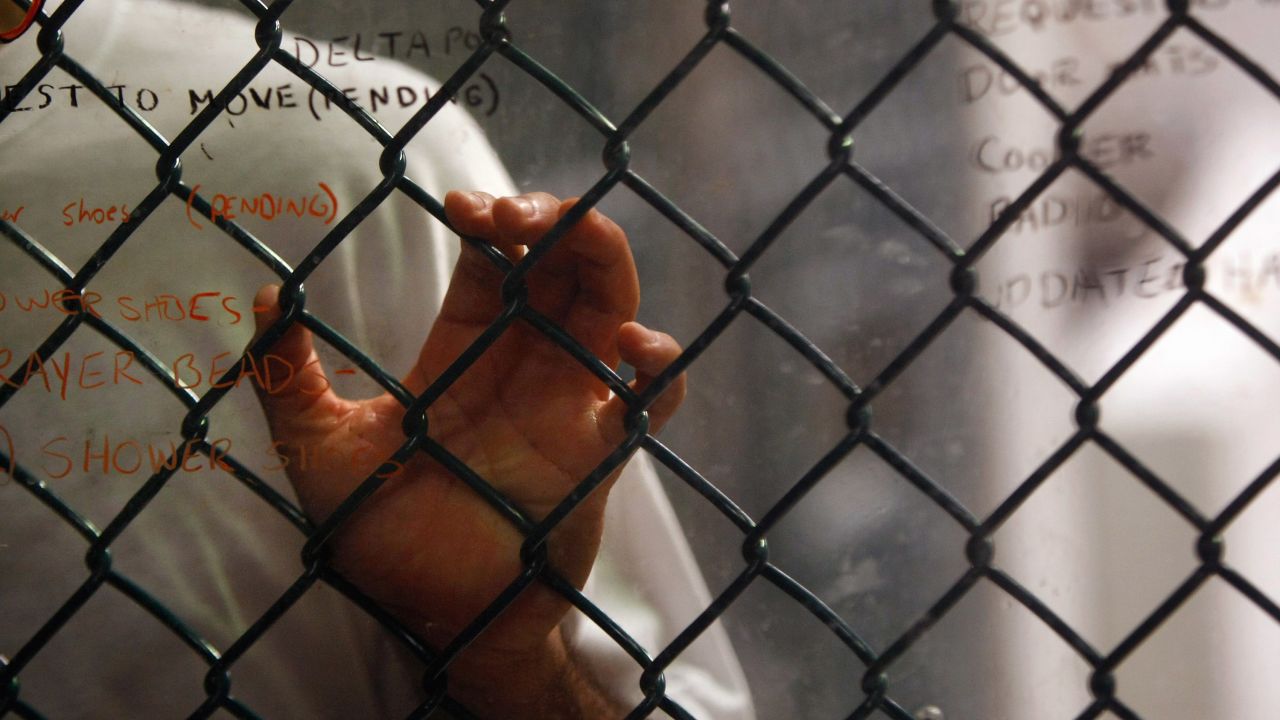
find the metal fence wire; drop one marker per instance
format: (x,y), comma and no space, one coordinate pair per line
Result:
(842,167)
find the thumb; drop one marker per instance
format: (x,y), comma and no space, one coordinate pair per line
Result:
(289,378)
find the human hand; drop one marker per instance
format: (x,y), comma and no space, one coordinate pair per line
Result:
(526,417)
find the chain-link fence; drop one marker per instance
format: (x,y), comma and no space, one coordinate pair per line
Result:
(495,43)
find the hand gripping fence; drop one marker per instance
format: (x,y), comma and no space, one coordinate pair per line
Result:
(878,662)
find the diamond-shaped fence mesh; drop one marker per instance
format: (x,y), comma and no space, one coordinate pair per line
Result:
(494,39)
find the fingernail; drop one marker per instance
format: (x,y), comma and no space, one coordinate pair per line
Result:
(647,336)
(480,200)
(525,205)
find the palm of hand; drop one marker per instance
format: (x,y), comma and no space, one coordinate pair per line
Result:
(525,416)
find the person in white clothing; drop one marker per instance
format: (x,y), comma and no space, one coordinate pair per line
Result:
(525,416)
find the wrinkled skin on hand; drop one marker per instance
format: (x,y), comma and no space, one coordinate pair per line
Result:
(526,417)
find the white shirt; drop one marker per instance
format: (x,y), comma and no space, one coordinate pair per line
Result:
(206,547)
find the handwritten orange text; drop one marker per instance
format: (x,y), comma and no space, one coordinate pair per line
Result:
(171,307)
(60,456)
(86,372)
(198,307)
(329,457)
(60,373)
(77,213)
(268,206)
(270,373)
(62,301)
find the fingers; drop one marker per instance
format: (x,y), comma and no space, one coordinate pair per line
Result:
(474,294)
(608,288)
(290,379)
(470,213)
(506,223)
(586,282)
(649,352)
(524,219)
